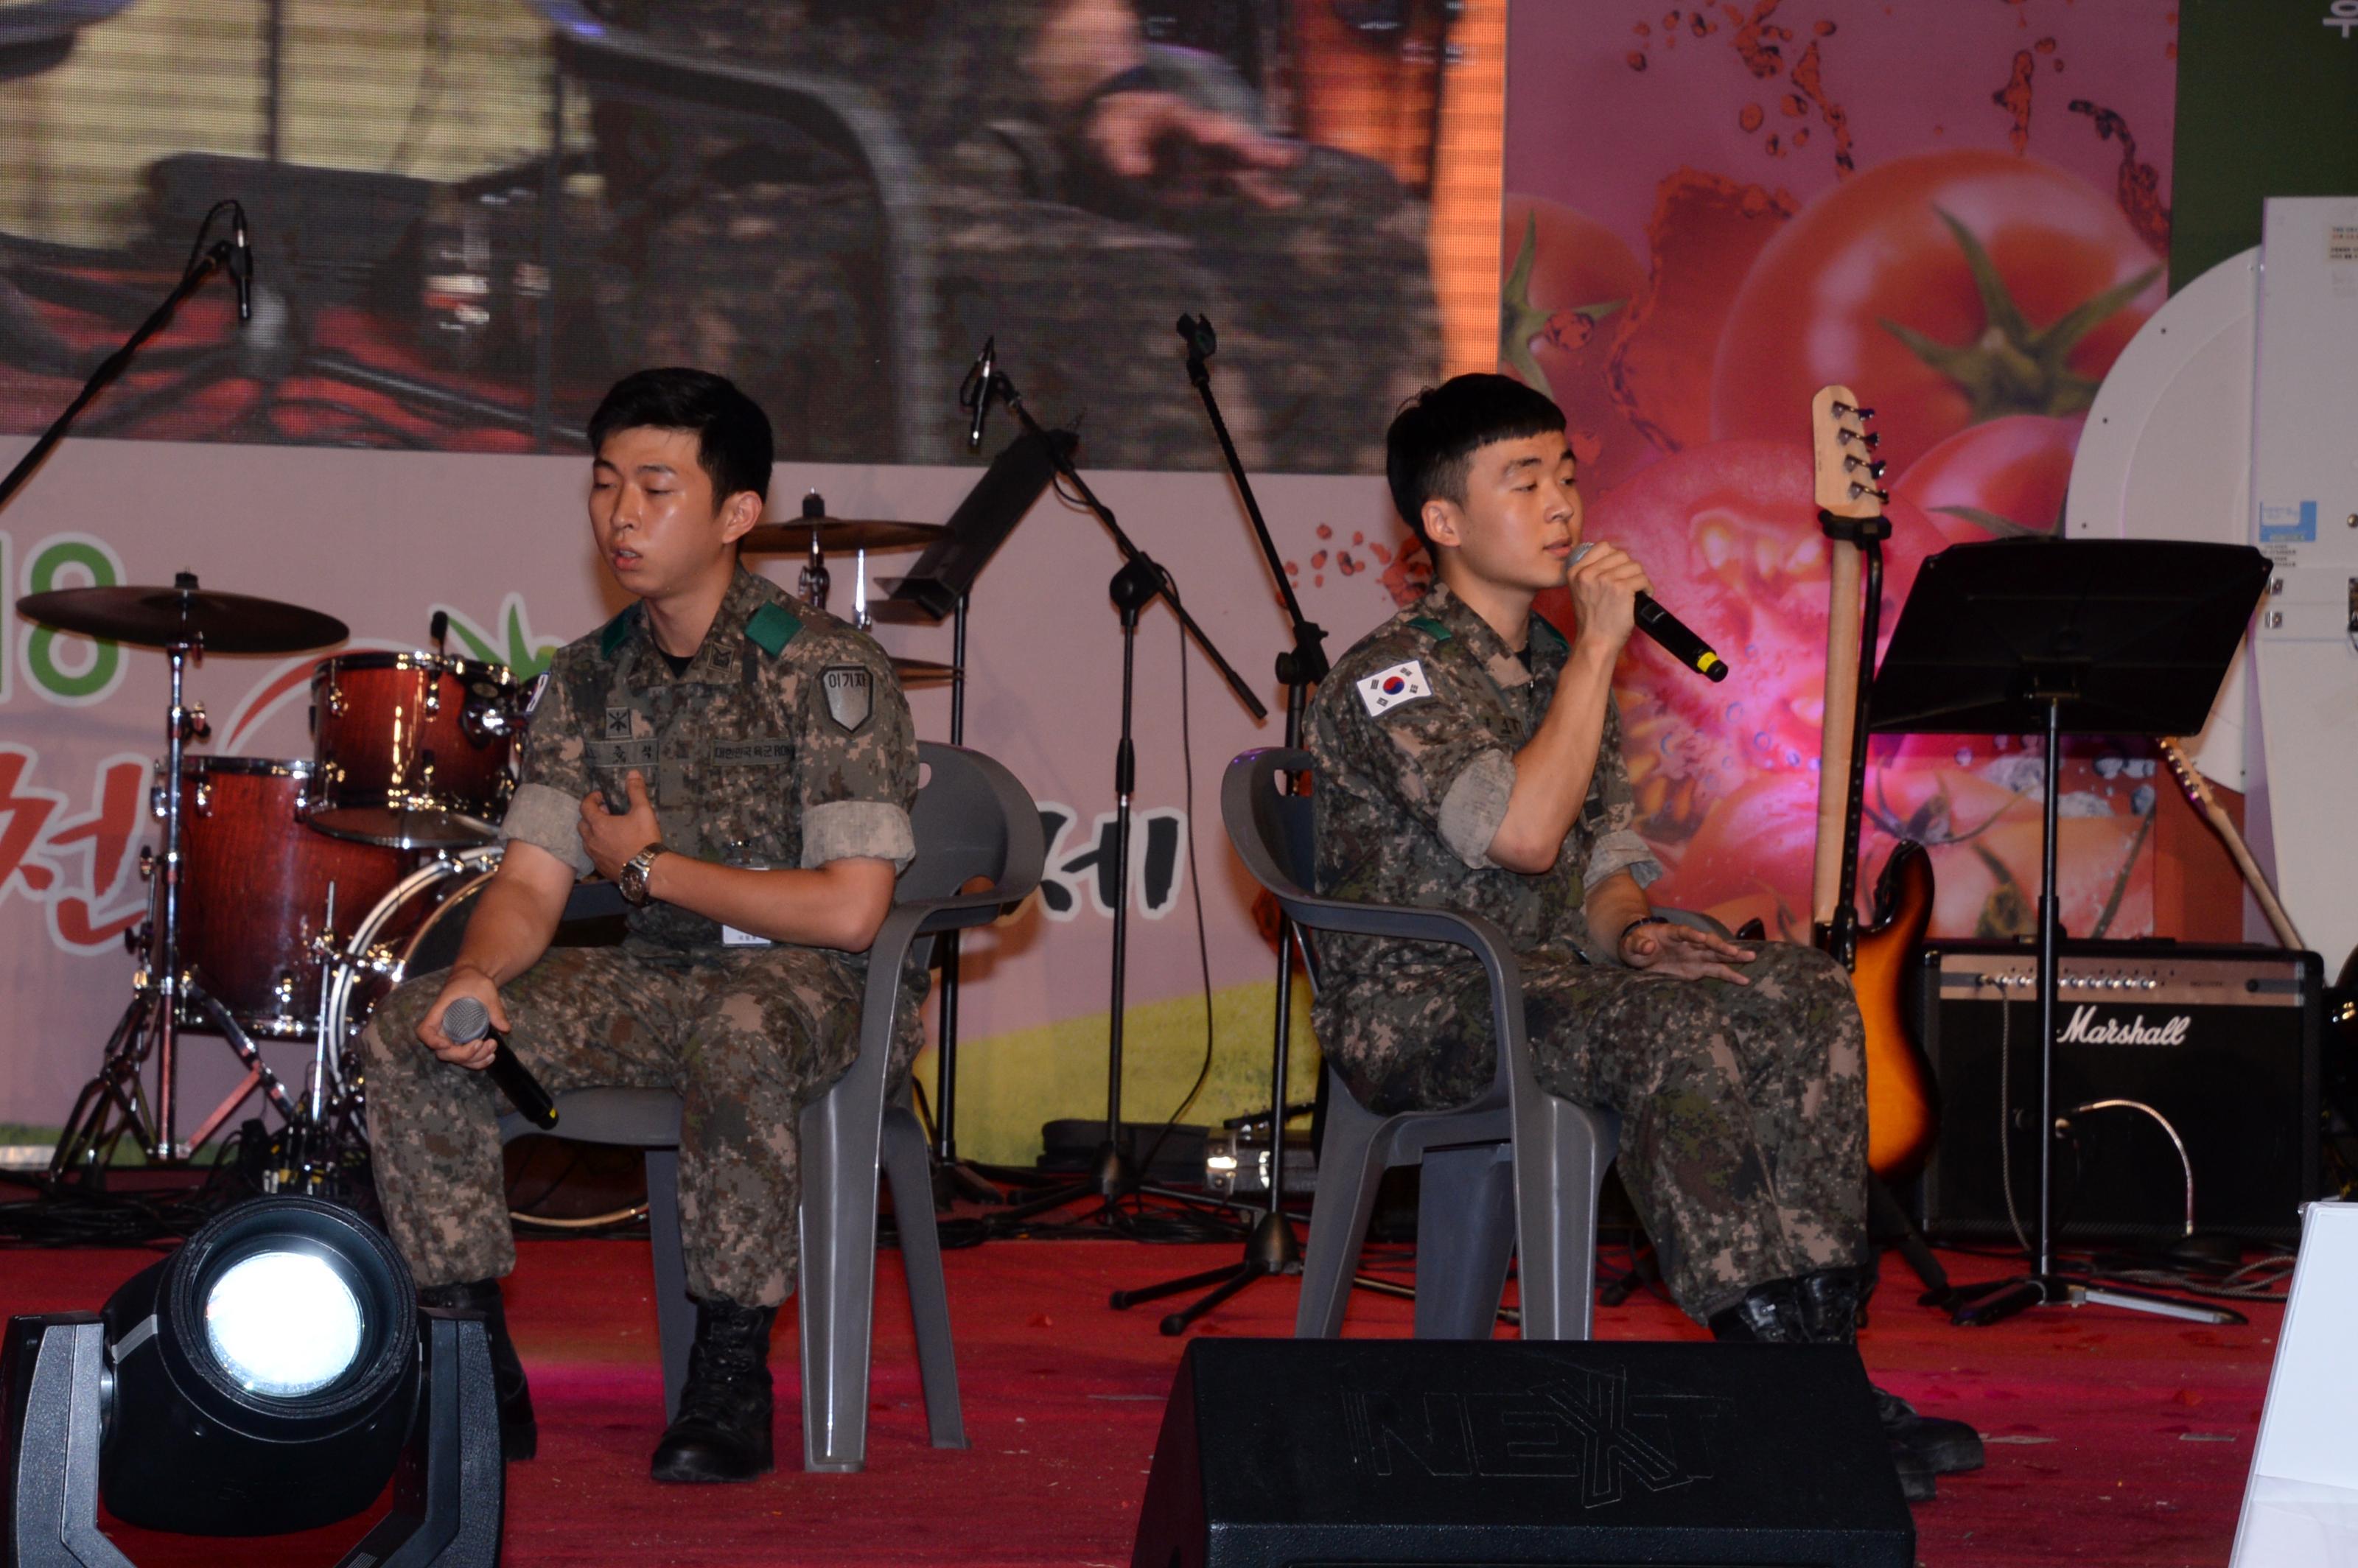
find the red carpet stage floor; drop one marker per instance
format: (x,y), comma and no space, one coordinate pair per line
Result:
(2114,1439)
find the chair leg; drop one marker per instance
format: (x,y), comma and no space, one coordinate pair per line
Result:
(675,1309)
(840,1134)
(1465,1237)
(1561,1153)
(908,1167)
(1349,1169)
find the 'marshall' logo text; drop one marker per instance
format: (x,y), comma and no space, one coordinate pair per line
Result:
(2083,1029)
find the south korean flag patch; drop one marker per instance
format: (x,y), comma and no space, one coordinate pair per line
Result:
(1387,689)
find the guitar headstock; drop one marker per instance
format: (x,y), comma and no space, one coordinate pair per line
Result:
(1849,475)
(2195,787)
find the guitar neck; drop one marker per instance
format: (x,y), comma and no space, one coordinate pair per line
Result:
(1850,506)
(2197,794)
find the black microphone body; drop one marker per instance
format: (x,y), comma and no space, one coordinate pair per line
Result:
(241,265)
(1672,634)
(985,367)
(467,1020)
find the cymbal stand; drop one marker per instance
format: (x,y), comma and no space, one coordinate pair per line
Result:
(1271,1249)
(150,1025)
(1138,584)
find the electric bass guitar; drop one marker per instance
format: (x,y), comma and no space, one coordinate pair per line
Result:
(1902,1113)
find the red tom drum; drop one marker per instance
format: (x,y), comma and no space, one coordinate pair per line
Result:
(414,751)
(254,889)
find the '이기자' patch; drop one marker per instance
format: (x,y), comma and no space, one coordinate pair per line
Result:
(1387,689)
(851,695)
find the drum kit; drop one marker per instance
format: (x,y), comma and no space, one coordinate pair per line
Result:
(292,893)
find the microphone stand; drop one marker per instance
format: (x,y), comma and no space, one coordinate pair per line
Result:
(214,259)
(1273,1248)
(1138,584)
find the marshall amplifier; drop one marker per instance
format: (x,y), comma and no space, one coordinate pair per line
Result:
(2167,1059)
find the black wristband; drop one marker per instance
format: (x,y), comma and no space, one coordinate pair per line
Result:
(1641,920)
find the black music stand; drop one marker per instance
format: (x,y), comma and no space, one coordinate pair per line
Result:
(938,586)
(2065,637)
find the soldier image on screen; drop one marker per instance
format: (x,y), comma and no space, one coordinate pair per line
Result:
(743,765)
(1082,187)
(1468,757)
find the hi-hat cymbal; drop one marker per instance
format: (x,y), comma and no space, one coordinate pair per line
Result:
(185,616)
(841,534)
(923,670)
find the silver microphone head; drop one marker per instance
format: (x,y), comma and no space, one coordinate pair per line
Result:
(1579,550)
(465,1020)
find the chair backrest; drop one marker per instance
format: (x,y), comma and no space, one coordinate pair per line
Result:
(972,819)
(1271,830)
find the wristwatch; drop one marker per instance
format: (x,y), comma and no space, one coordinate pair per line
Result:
(632,878)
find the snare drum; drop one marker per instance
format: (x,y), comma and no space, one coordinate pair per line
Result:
(413,750)
(254,889)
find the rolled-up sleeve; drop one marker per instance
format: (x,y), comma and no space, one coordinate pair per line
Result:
(1441,757)
(554,776)
(1608,817)
(857,766)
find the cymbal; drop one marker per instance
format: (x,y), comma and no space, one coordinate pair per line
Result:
(164,617)
(925,670)
(841,534)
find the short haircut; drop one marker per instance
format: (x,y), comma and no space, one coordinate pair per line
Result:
(732,435)
(1436,433)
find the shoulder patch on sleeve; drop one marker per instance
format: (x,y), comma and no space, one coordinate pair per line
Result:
(611,636)
(772,627)
(1431,628)
(1388,689)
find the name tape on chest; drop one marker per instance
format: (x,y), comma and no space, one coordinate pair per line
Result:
(1388,689)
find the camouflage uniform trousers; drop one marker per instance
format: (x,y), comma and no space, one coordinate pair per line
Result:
(746,1036)
(1743,1107)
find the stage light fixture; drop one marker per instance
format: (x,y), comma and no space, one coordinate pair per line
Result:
(269,1376)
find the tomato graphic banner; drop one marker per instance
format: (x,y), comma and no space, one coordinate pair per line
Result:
(1960,210)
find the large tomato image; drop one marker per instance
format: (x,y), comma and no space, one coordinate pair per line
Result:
(1948,289)
(1729,533)
(1569,280)
(2005,479)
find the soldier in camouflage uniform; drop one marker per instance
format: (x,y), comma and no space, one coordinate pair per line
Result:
(743,765)
(1468,757)
(1081,191)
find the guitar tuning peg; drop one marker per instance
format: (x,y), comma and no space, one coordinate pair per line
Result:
(1864,413)
(1842,410)
(1882,495)
(1875,470)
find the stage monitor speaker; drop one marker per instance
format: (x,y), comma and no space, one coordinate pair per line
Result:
(1319,1452)
(2158,1045)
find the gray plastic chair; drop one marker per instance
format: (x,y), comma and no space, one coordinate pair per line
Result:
(972,819)
(1515,1172)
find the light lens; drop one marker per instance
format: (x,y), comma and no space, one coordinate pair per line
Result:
(283,1324)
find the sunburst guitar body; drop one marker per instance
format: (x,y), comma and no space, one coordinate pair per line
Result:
(1902,1112)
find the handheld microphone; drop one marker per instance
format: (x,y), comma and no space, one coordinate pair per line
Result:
(241,263)
(467,1020)
(1669,633)
(438,631)
(977,395)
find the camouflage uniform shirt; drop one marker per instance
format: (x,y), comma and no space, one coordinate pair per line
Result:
(1412,785)
(785,743)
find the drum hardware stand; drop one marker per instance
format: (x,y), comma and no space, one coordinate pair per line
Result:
(151,1024)
(1273,1248)
(1140,582)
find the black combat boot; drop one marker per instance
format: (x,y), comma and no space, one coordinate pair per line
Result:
(1832,1300)
(722,1432)
(1768,1314)
(1781,1313)
(519,1434)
